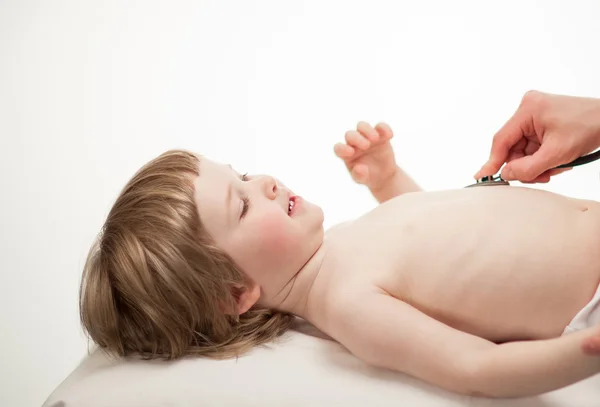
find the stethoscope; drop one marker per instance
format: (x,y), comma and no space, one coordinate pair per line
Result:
(494,180)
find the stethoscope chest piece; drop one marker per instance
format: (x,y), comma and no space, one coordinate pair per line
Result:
(489,181)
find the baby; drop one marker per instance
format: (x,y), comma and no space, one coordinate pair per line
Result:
(488,291)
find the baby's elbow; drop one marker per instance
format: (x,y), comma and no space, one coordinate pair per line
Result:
(478,380)
(472,380)
(462,376)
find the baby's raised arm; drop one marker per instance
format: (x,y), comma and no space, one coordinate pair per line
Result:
(389,333)
(370,159)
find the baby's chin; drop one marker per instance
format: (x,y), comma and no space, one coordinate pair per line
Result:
(314,206)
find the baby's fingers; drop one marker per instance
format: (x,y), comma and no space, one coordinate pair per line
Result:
(367,131)
(384,131)
(357,140)
(591,346)
(343,151)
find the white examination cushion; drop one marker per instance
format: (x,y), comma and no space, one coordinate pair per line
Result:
(303,368)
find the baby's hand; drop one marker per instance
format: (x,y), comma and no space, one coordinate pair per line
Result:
(591,345)
(368,155)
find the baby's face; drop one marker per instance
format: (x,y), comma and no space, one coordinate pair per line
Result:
(249,217)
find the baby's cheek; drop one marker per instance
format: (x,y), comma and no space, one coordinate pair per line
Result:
(273,233)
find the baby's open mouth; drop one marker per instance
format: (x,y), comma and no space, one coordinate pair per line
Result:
(291,204)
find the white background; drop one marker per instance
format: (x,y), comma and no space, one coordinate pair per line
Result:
(91,90)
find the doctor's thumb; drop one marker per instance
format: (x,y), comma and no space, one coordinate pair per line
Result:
(528,168)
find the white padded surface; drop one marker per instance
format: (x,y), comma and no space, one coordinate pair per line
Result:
(302,369)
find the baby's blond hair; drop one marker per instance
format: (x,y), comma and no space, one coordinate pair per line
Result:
(154,282)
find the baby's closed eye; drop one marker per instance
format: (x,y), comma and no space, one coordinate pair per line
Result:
(246,203)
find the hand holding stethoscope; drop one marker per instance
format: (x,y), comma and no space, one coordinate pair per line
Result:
(547,135)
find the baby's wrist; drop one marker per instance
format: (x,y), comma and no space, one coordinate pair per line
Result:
(386,188)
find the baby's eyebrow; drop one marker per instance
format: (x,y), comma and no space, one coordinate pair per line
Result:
(228,202)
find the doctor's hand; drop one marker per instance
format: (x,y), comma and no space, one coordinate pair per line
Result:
(368,155)
(546,131)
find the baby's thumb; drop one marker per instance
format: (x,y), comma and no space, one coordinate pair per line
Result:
(530,167)
(360,173)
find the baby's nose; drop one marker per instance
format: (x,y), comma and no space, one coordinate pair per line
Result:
(271,187)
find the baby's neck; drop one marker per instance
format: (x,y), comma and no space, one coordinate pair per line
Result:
(296,296)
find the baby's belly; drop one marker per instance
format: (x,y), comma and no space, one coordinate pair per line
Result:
(504,263)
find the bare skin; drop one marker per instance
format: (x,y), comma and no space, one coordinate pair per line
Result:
(466,258)
(545,132)
(467,289)
(430,284)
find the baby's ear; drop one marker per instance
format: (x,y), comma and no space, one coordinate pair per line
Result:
(245,296)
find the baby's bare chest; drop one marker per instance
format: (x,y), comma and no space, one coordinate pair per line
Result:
(459,256)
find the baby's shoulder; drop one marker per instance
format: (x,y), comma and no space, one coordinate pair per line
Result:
(343,303)
(347,294)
